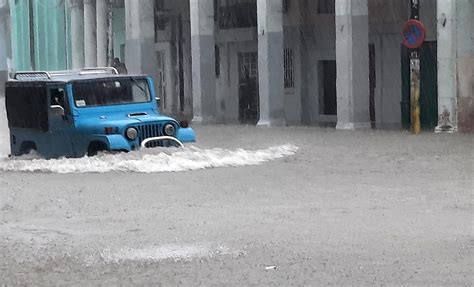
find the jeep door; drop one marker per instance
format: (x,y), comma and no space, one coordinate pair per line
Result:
(61,125)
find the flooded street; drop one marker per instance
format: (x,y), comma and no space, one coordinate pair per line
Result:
(290,206)
(297,143)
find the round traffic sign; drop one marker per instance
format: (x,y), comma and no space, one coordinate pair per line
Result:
(413,34)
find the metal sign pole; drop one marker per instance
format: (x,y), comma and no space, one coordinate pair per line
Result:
(415,77)
(415,92)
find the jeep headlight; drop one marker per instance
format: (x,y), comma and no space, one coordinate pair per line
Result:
(169,130)
(131,133)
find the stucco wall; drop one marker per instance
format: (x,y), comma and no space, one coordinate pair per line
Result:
(234,41)
(318,40)
(312,35)
(292,40)
(465,64)
(385,24)
(227,85)
(119,32)
(386,21)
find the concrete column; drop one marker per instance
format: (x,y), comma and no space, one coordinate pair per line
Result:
(90,38)
(465,64)
(203,60)
(352,57)
(270,63)
(447,80)
(101,34)
(77,33)
(101,22)
(140,54)
(188,86)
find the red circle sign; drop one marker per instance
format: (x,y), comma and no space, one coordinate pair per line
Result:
(413,34)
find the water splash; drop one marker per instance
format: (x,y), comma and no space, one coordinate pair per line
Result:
(172,251)
(150,161)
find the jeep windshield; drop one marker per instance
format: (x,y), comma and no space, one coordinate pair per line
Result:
(107,92)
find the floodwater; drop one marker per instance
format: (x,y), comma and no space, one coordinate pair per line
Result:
(357,208)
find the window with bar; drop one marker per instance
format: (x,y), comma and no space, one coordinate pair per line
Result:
(286,6)
(288,62)
(233,14)
(218,61)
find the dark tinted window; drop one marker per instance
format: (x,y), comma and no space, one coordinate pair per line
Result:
(27,106)
(58,97)
(326,7)
(110,92)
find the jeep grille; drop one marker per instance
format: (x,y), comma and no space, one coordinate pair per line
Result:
(150,131)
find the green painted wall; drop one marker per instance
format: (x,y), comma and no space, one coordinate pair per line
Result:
(119,33)
(51,26)
(52,34)
(20,34)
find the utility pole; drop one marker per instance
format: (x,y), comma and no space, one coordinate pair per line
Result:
(415,75)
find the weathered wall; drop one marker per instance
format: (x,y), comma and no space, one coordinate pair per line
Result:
(318,41)
(231,42)
(292,40)
(385,23)
(428,18)
(175,16)
(228,81)
(140,50)
(465,64)
(119,33)
(312,35)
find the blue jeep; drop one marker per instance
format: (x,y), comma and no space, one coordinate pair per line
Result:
(77,113)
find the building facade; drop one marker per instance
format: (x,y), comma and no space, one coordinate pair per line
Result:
(5,40)
(267,62)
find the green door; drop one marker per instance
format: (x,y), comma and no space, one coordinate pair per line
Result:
(428,86)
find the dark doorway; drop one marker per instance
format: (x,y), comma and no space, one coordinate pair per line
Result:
(249,109)
(372,84)
(327,80)
(428,86)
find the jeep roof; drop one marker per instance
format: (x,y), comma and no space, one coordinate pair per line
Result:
(68,76)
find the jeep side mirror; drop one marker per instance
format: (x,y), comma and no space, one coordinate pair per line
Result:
(57,110)
(158,100)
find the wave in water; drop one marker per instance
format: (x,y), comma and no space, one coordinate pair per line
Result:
(150,161)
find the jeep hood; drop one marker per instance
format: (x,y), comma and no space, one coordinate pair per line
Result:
(121,120)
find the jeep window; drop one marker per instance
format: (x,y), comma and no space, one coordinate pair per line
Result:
(58,97)
(110,92)
(27,106)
